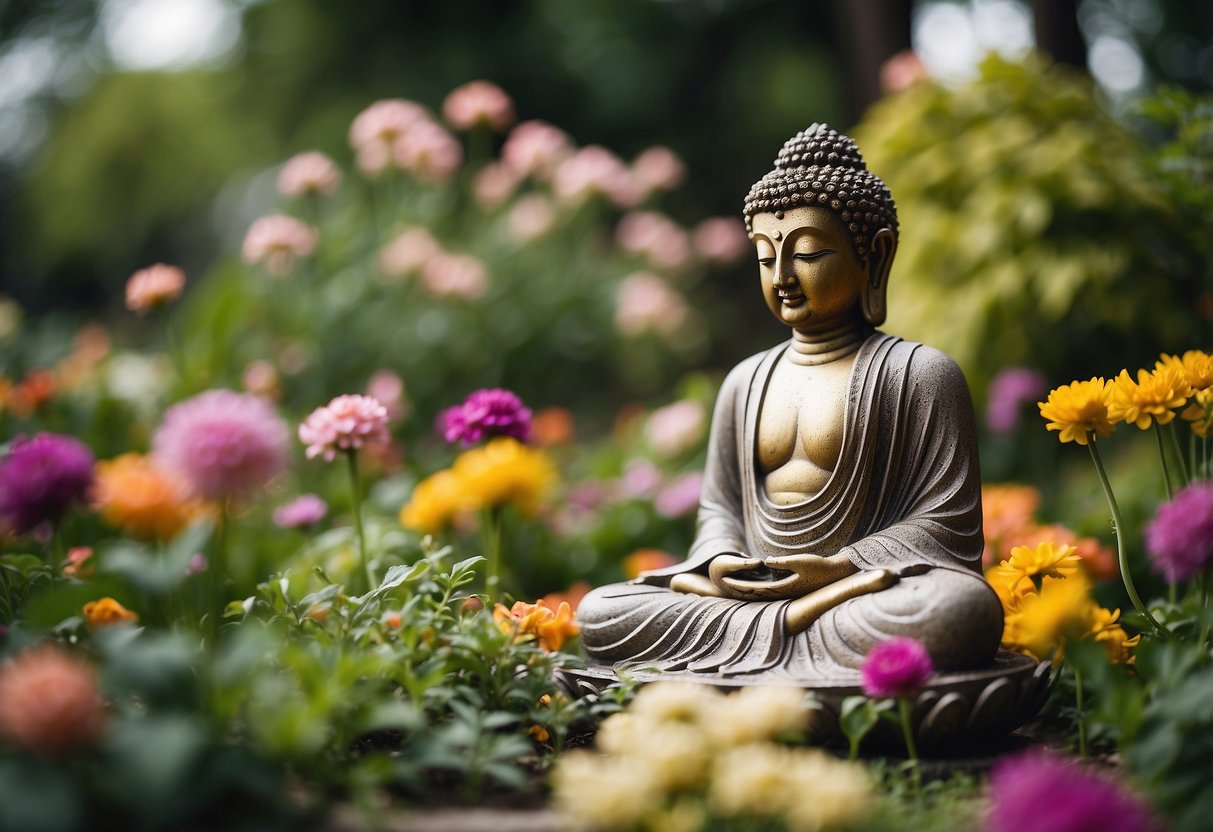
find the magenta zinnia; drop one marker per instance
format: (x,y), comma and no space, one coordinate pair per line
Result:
(896,668)
(1179,539)
(222,443)
(485,414)
(304,510)
(40,478)
(344,424)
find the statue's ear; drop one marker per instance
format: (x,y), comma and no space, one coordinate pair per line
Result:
(875,290)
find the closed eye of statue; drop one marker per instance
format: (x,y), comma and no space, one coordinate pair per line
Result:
(812,255)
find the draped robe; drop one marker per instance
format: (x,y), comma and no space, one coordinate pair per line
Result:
(905,492)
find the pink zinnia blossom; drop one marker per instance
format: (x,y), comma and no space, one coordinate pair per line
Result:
(40,478)
(50,702)
(1179,539)
(895,668)
(1043,792)
(308,173)
(428,152)
(261,379)
(535,148)
(1009,391)
(155,286)
(455,276)
(494,184)
(655,236)
(593,171)
(223,443)
(478,104)
(277,241)
(304,510)
(344,424)
(531,217)
(721,240)
(388,387)
(485,414)
(640,478)
(676,428)
(376,130)
(680,497)
(658,169)
(408,251)
(644,303)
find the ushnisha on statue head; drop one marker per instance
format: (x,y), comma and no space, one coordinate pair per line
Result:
(820,173)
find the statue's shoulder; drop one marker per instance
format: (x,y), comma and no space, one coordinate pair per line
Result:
(742,375)
(927,366)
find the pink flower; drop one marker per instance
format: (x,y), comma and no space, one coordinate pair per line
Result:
(428,152)
(277,241)
(261,379)
(644,303)
(902,71)
(153,287)
(1009,391)
(344,424)
(896,668)
(375,131)
(455,276)
(640,478)
(308,173)
(478,104)
(675,428)
(50,702)
(658,169)
(680,497)
(1043,792)
(222,443)
(1179,539)
(721,240)
(197,564)
(531,217)
(304,510)
(408,251)
(485,414)
(495,184)
(593,171)
(535,148)
(388,387)
(661,240)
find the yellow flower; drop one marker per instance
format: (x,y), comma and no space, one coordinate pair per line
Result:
(1105,629)
(435,502)
(505,472)
(105,612)
(1040,622)
(1035,562)
(1154,396)
(1200,413)
(551,627)
(1196,366)
(1077,410)
(134,495)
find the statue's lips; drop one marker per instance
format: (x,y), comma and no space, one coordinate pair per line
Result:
(791,300)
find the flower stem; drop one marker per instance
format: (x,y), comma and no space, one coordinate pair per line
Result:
(216,569)
(492,551)
(1185,476)
(1118,529)
(58,550)
(1162,456)
(1202,583)
(907,733)
(364,564)
(1082,720)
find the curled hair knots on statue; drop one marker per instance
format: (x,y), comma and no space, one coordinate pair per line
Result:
(822,167)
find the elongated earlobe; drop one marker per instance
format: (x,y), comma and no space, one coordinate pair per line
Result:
(875,289)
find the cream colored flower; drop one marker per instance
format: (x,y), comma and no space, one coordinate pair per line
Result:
(674,702)
(601,792)
(675,753)
(750,780)
(753,714)
(825,793)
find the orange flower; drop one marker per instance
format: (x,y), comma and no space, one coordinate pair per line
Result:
(49,701)
(552,426)
(1006,509)
(106,612)
(134,495)
(36,390)
(537,620)
(539,733)
(642,560)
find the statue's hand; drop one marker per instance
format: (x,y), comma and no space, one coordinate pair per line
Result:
(789,576)
(814,571)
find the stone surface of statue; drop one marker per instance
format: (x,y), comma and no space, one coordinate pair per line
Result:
(841,503)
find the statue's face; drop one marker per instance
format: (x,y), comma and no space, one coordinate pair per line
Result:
(810,275)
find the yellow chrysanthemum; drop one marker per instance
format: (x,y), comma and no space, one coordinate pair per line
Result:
(1105,629)
(1040,622)
(1195,365)
(1153,397)
(1077,410)
(1199,414)
(1030,564)
(505,472)
(134,495)
(435,502)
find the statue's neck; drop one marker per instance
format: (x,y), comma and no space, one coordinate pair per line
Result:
(814,347)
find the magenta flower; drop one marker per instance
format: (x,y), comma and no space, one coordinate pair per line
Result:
(1046,793)
(896,668)
(304,510)
(344,424)
(1009,391)
(223,443)
(1179,539)
(484,414)
(40,478)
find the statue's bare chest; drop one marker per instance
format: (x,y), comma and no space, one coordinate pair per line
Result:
(800,428)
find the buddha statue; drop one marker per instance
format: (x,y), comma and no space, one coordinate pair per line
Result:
(841,503)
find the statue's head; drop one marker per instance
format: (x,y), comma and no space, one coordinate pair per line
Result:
(818,202)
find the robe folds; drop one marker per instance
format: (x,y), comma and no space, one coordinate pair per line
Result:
(905,492)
